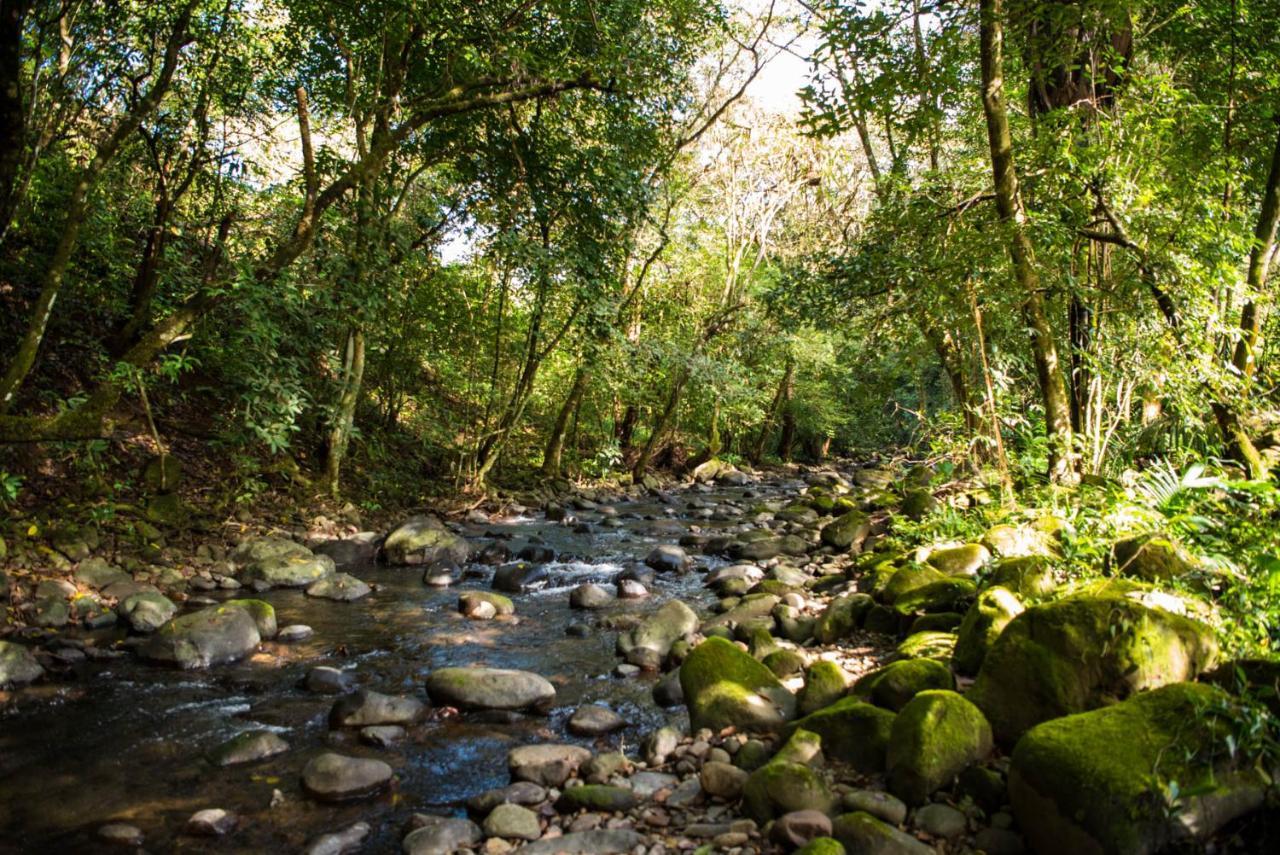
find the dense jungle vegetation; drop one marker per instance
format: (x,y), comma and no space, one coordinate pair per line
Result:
(980,281)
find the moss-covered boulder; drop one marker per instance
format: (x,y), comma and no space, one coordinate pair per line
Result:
(942,596)
(847,531)
(898,682)
(1152,557)
(1030,577)
(824,684)
(502,604)
(289,571)
(648,644)
(841,617)
(910,578)
(964,560)
(852,731)
(935,737)
(724,686)
(936,622)
(863,833)
(927,645)
(597,797)
(918,504)
(874,577)
(1099,782)
(784,662)
(789,782)
(981,626)
(1081,653)
(212,636)
(424,540)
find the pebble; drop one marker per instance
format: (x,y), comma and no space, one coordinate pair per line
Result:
(294,633)
(939,821)
(382,735)
(594,720)
(880,805)
(339,842)
(211,822)
(121,834)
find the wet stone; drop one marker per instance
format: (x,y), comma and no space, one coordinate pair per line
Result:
(382,735)
(324,680)
(211,822)
(340,842)
(439,835)
(367,707)
(121,834)
(294,633)
(248,747)
(334,777)
(594,720)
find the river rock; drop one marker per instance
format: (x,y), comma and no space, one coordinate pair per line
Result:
(1019,541)
(631,589)
(941,821)
(724,686)
(326,680)
(440,835)
(350,839)
(256,550)
(248,747)
(669,559)
(933,739)
(290,571)
(594,720)
(1049,661)
(520,793)
(211,822)
(341,587)
(121,834)
(847,532)
(1085,783)
(963,560)
(512,822)
(470,604)
(898,682)
(659,745)
(612,841)
(334,777)
(147,611)
(863,833)
(982,625)
(520,577)
(597,797)
(367,707)
(441,574)
(211,636)
(547,765)
(648,644)
(795,829)
(294,632)
(424,540)
(18,665)
(490,688)
(879,804)
(1030,577)
(722,780)
(96,573)
(589,596)
(359,550)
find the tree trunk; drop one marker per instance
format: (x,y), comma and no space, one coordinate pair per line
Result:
(1053,390)
(787,440)
(626,429)
(345,412)
(757,451)
(660,427)
(12,113)
(555,442)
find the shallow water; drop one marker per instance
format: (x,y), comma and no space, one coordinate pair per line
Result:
(123,740)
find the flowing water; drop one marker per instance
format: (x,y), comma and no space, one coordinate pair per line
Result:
(123,740)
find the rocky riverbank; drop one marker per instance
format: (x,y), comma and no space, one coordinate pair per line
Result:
(744,665)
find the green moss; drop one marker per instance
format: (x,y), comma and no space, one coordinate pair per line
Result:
(938,622)
(943,595)
(898,682)
(784,662)
(934,738)
(928,645)
(724,686)
(917,504)
(1029,577)
(852,731)
(822,846)
(910,578)
(1082,652)
(601,797)
(862,832)
(1097,780)
(964,560)
(874,576)
(982,625)
(825,683)
(788,782)
(501,605)
(263,614)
